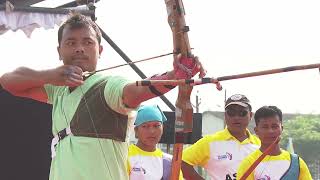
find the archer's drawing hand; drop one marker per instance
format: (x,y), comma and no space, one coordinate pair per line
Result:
(67,75)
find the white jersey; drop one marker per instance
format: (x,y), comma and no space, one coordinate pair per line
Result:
(220,154)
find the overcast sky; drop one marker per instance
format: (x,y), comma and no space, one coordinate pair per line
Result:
(230,37)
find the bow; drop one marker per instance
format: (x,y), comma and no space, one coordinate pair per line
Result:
(184,111)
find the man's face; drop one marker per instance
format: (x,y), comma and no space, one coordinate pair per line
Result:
(269,129)
(149,133)
(237,118)
(80,47)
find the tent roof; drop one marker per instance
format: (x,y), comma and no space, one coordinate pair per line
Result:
(31,2)
(27,18)
(22,2)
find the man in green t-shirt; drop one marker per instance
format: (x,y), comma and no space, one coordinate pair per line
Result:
(90,114)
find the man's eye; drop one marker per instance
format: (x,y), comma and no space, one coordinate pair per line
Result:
(88,42)
(70,43)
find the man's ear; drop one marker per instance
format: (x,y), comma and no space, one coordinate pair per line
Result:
(251,115)
(100,49)
(162,129)
(136,132)
(256,130)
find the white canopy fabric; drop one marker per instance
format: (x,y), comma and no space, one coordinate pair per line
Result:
(27,21)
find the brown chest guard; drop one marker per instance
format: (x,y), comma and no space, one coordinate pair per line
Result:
(107,123)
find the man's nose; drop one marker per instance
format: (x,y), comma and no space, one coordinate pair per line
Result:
(271,130)
(79,49)
(152,130)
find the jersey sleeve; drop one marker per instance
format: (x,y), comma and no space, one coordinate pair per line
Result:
(50,92)
(167,160)
(113,94)
(304,171)
(198,153)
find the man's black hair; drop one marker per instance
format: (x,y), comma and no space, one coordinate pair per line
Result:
(267,111)
(77,20)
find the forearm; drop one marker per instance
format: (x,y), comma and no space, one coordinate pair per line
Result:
(189,172)
(134,95)
(23,79)
(154,91)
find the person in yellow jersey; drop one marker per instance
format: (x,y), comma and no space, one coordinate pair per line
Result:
(145,160)
(278,164)
(221,153)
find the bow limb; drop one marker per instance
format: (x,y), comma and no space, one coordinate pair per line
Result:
(184,110)
(260,158)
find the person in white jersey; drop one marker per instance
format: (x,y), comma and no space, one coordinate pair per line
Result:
(145,160)
(221,153)
(278,164)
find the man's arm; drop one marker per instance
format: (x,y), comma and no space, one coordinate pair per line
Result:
(134,95)
(198,154)
(26,82)
(183,68)
(189,172)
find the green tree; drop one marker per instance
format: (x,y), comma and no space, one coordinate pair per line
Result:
(305,131)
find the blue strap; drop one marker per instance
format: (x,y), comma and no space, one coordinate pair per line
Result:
(294,169)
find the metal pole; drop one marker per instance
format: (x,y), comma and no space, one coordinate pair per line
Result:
(133,66)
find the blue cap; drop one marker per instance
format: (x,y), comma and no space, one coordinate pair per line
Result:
(149,113)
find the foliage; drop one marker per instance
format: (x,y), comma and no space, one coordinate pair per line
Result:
(305,131)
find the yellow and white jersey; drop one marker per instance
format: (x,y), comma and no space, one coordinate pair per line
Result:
(143,165)
(220,154)
(271,167)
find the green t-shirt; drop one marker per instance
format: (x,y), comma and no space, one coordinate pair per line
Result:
(85,158)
